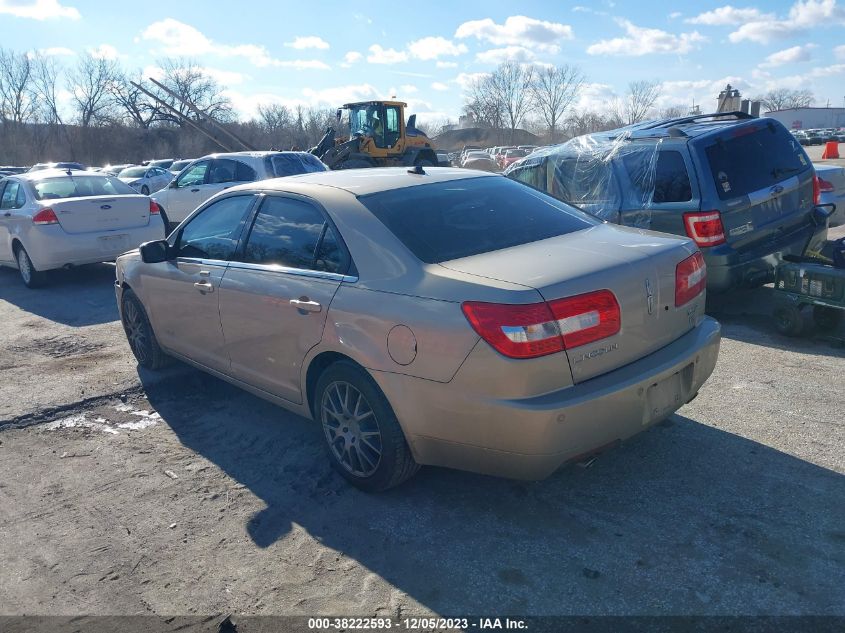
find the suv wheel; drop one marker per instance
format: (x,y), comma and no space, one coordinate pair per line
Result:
(789,320)
(827,318)
(365,443)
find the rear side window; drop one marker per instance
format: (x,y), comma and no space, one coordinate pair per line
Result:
(459,218)
(532,175)
(280,165)
(13,196)
(79,187)
(588,182)
(294,234)
(748,158)
(666,177)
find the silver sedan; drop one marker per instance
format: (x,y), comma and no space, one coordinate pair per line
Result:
(55,218)
(453,318)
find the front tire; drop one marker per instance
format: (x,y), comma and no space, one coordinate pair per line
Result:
(31,277)
(826,318)
(139,333)
(789,320)
(364,441)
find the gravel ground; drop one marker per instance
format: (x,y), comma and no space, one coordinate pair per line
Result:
(125,492)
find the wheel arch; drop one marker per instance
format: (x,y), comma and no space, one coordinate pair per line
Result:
(316,367)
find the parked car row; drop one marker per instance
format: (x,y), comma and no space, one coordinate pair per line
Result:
(819,136)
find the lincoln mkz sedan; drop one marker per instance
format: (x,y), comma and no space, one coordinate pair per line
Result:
(447,317)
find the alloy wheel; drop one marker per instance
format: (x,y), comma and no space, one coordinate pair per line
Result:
(25,266)
(136,331)
(351,429)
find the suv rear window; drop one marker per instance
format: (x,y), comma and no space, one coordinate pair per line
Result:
(449,220)
(748,159)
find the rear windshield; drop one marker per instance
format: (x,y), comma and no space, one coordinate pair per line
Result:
(743,162)
(79,187)
(459,218)
(133,172)
(292,164)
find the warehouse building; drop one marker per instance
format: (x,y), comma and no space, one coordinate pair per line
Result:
(809,118)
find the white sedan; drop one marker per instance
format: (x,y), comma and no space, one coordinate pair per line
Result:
(146,179)
(54,219)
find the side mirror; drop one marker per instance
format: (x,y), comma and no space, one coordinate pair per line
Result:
(154,252)
(172,184)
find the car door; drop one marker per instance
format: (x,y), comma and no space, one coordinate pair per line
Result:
(12,200)
(188,192)
(276,293)
(181,294)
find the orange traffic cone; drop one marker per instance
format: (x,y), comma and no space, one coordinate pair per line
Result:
(831,150)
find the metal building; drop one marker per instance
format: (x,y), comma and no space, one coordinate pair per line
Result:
(809,118)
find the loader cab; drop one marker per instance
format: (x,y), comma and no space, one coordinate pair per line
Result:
(383,121)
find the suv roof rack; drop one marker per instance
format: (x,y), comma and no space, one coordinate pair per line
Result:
(697,117)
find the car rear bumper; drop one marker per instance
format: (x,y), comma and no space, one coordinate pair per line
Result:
(727,268)
(449,425)
(50,247)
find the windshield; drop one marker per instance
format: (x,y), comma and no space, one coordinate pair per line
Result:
(80,186)
(748,159)
(132,172)
(364,119)
(179,165)
(454,219)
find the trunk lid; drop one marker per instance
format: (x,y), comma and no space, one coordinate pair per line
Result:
(763,179)
(637,266)
(101,213)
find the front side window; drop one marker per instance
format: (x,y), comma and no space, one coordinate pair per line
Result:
(214,232)
(194,175)
(292,233)
(391,130)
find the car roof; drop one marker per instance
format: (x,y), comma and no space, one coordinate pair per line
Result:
(681,127)
(53,173)
(361,182)
(257,154)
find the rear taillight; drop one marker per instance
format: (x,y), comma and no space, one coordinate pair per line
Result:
(539,329)
(705,228)
(154,208)
(817,190)
(825,186)
(690,279)
(45,216)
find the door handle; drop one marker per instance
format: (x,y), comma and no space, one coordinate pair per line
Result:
(194,190)
(7,214)
(306,305)
(204,286)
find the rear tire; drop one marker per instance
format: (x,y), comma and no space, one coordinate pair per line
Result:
(31,277)
(139,333)
(826,318)
(789,320)
(363,438)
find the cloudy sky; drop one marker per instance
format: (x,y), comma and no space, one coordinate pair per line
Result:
(424,52)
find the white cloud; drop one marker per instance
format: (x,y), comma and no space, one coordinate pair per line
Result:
(803,15)
(675,15)
(309,41)
(224,77)
(839,51)
(433,47)
(464,80)
(408,89)
(379,55)
(341,94)
(439,86)
(518,30)
(56,51)
(645,41)
(506,54)
(595,97)
(788,56)
(38,9)
(350,58)
(447,64)
(104,51)
(179,39)
(726,15)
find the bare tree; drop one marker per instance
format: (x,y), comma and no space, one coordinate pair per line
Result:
(587,122)
(191,83)
(275,117)
(138,108)
(784,99)
(482,103)
(638,101)
(45,75)
(553,90)
(673,112)
(90,86)
(16,103)
(511,87)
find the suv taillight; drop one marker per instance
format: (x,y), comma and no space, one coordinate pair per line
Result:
(45,216)
(705,228)
(825,186)
(539,329)
(817,190)
(690,279)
